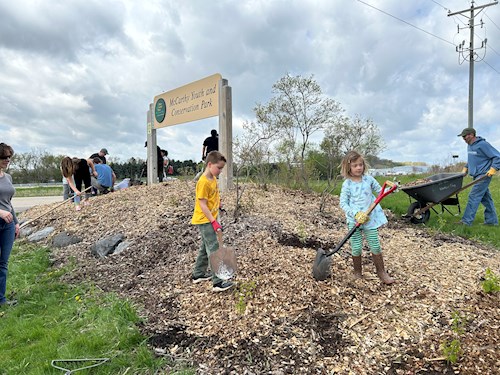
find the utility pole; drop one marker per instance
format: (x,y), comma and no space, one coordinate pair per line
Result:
(469,53)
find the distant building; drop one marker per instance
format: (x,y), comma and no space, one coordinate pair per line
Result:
(399,171)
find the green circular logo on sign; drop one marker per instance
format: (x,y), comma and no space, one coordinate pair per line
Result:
(160,110)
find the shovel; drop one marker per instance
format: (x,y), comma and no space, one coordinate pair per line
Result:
(322,262)
(223,260)
(50,209)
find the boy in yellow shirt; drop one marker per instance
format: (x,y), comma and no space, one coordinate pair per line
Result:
(206,211)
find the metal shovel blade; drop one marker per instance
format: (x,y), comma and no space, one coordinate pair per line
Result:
(223,261)
(322,265)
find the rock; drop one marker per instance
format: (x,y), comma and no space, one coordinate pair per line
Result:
(40,235)
(26,231)
(106,246)
(122,246)
(64,239)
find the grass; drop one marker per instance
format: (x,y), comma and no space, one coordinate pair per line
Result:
(54,320)
(444,222)
(38,191)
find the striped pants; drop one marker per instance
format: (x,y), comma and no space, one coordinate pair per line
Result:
(371,236)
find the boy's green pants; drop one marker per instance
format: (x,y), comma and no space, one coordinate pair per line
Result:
(209,244)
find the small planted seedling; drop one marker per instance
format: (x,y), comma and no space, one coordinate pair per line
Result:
(491,282)
(243,293)
(458,322)
(451,350)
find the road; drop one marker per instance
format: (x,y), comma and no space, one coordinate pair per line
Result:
(24,203)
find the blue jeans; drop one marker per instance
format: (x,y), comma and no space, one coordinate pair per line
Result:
(480,194)
(7,236)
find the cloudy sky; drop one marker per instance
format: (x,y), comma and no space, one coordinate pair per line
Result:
(78,75)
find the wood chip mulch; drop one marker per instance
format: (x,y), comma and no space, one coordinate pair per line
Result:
(286,322)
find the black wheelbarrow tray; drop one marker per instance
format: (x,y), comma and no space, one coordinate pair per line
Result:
(441,188)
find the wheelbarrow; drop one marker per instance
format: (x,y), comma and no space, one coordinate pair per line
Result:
(441,188)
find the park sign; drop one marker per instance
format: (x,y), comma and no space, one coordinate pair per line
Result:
(195,101)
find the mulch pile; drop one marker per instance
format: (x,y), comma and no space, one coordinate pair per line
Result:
(279,320)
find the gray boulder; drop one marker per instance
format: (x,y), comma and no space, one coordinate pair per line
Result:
(64,239)
(122,246)
(41,234)
(106,246)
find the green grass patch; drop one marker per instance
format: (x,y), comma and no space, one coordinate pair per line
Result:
(38,191)
(445,222)
(54,320)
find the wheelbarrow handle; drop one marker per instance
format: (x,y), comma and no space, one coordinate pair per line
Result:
(384,192)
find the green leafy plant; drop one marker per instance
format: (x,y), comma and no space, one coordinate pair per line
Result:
(302,233)
(491,282)
(451,350)
(458,322)
(243,293)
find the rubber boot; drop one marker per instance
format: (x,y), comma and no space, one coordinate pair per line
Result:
(358,268)
(378,260)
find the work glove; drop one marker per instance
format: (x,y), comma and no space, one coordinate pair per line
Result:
(464,171)
(216,226)
(361,217)
(491,172)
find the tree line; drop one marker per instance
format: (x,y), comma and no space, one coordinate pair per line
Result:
(39,166)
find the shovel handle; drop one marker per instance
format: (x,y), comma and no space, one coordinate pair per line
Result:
(50,209)
(219,237)
(384,192)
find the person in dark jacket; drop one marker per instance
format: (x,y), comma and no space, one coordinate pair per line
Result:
(77,171)
(482,159)
(210,144)
(101,155)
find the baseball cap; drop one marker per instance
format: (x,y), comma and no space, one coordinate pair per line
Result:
(467,131)
(104,151)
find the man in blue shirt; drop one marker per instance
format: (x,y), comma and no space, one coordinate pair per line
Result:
(105,177)
(482,159)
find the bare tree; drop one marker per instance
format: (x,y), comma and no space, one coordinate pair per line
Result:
(298,110)
(348,134)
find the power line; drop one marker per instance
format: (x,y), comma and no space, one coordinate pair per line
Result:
(492,21)
(486,62)
(440,5)
(409,24)
(427,32)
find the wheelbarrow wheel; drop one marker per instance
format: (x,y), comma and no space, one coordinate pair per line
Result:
(420,218)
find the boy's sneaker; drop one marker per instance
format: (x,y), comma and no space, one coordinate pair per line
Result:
(199,279)
(222,286)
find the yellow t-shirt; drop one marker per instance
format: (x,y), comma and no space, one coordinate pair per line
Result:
(206,189)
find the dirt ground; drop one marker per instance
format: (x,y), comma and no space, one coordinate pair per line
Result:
(279,320)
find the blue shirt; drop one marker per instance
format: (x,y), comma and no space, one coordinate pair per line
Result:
(358,196)
(481,156)
(104,175)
